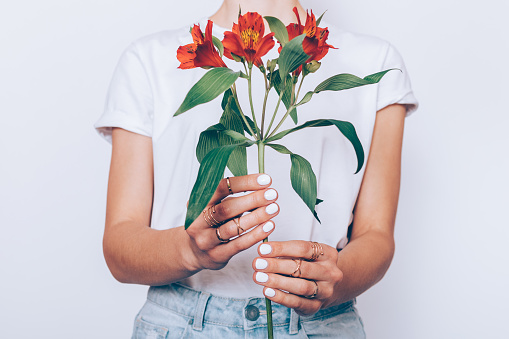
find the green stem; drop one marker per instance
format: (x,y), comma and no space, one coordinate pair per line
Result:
(234,90)
(281,122)
(268,305)
(289,109)
(264,107)
(251,100)
(275,111)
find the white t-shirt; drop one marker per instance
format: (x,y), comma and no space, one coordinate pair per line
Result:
(147,89)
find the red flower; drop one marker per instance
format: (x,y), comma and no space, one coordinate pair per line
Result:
(314,43)
(247,40)
(201,53)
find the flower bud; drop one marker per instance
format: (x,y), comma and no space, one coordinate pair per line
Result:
(237,58)
(312,67)
(271,65)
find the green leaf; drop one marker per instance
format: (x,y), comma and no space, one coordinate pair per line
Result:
(278,28)
(251,124)
(302,177)
(210,173)
(287,95)
(219,45)
(292,56)
(211,85)
(306,98)
(344,127)
(320,19)
(344,81)
(209,139)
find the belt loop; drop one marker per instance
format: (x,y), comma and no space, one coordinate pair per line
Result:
(294,322)
(200,311)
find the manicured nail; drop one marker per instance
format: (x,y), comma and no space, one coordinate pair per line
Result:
(270,194)
(272,208)
(265,249)
(261,264)
(269,292)
(263,179)
(269,226)
(262,277)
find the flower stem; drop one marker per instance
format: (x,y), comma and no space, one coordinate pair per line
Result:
(268,305)
(251,99)
(263,108)
(275,111)
(234,90)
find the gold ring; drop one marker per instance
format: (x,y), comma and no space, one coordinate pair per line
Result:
(239,229)
(312,296)
(298,262)
(229,186)
(223,241)
(317,250)
(209,219)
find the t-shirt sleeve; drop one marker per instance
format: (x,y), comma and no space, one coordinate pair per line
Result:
(395,86)
(129,100)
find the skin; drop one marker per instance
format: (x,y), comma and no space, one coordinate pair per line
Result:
(136,253)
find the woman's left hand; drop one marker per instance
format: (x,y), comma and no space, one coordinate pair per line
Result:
(288,266)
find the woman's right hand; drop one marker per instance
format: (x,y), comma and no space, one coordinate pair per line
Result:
(208,251)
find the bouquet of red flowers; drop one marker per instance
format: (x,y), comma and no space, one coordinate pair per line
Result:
(224,144)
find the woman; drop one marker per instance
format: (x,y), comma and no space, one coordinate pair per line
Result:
(207,282)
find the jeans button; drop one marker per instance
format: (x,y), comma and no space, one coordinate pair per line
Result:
(252,312)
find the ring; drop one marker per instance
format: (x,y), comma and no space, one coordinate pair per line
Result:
(317,250)
(229,186)
(223,241)
(209,218)
(239,229)
(312,296)
(298,262)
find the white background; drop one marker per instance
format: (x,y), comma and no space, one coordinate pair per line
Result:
(449,277)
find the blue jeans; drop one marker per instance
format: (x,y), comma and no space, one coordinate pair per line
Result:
(177,311)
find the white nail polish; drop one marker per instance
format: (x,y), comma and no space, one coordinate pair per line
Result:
(269,226)
(261,277)
(272,208)
(270,194)
(263,179)
(269,292)
(261,264)
(265,249)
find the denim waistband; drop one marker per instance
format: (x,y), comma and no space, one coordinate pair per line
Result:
(202,307)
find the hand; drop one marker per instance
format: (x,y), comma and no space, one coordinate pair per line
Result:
(222,219)
(286,266)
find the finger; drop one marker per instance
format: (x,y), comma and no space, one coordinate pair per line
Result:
(251,182)
(301,305)
(295,249)
(296,268)
(224,252)
(299,287)
(230,208)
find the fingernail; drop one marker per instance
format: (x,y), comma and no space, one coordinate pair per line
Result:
(270,194)
(263,179)
(269,292)
(262,277)
(261,264)
(272,208)
(269,226)
(265,249)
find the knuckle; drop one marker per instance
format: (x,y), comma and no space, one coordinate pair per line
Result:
(222,209)
(201,242)
(327,291)
(336,275)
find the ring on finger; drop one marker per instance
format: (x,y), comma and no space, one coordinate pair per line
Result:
(317,250)
(297,270)
(218,234)
(229,185)
(312,296)
(240,230)
(209,217)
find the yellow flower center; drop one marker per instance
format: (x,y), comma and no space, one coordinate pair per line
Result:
(250,38)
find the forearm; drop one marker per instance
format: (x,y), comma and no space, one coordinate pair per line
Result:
(141,255)
(364,261)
